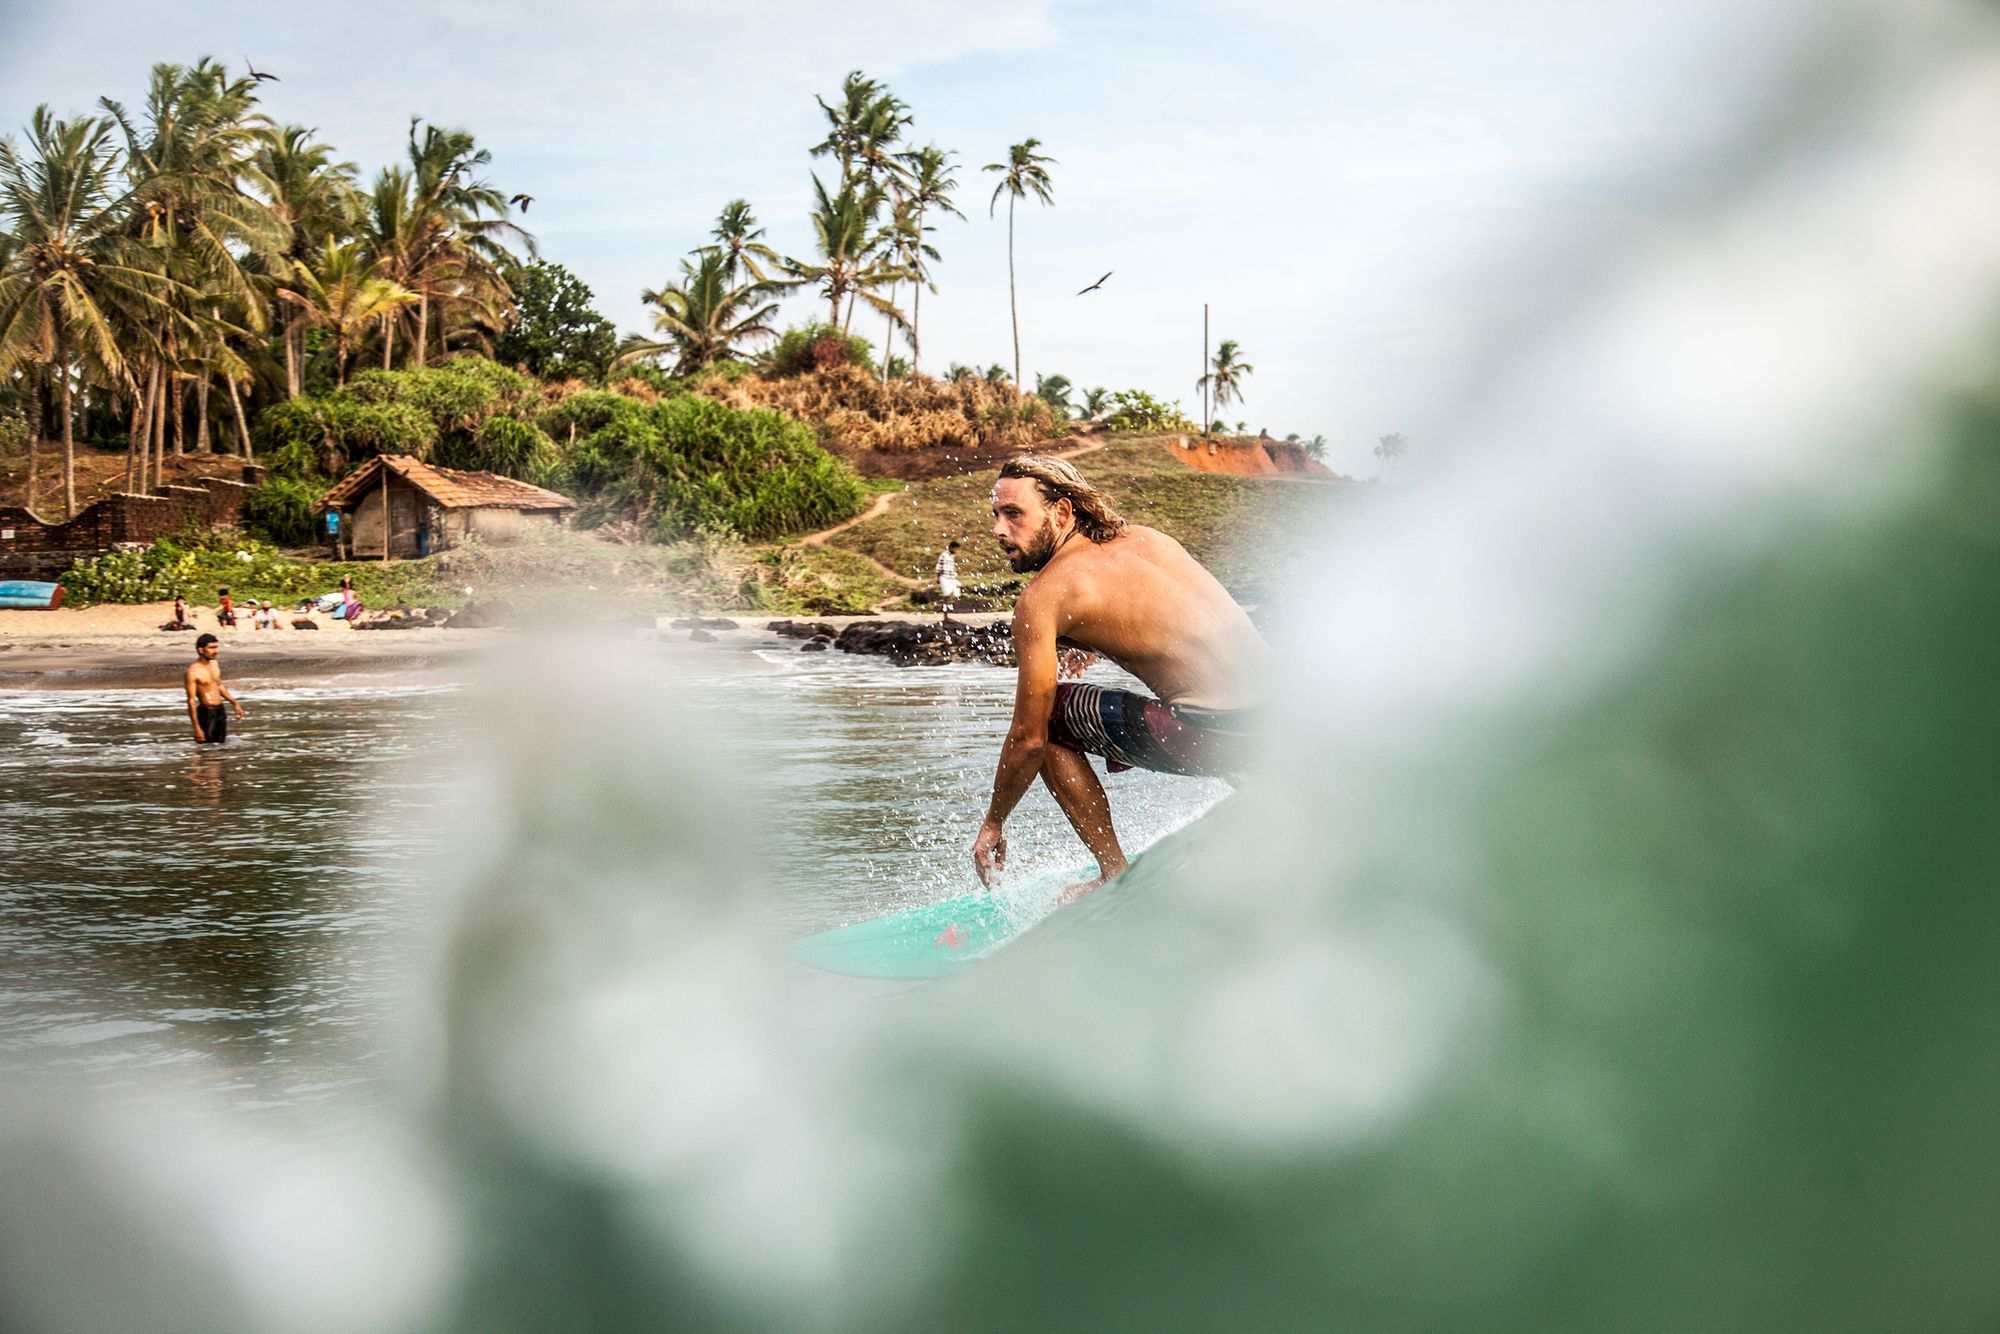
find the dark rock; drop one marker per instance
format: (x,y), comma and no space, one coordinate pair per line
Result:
(801,629)
(916,643)
(480,616)
(701,636)
(703,623)
(816,646)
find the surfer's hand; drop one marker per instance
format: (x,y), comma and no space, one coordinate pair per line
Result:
(989,853)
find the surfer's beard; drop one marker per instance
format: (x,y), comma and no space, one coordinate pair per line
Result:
(1036,553)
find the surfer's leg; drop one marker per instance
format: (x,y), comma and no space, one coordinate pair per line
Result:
(1076,789)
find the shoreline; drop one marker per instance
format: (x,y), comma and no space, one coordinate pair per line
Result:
(115,647)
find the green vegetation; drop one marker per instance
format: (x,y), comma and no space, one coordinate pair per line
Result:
(817,347)
(193,566)
(689,462)
(556,333)
(280,510)
(1137,410)
(467,413)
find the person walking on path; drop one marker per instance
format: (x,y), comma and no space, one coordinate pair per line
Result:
(206,693)
(947,577)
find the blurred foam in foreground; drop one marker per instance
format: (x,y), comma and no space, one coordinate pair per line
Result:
(1607,945)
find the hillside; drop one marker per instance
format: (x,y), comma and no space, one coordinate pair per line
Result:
(1247,530)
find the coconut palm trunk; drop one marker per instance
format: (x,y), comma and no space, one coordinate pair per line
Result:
(242,423)
(69,427)
(39,410)
(294,374)
(203,443)
(1013,302)
(132,437)
(160,382)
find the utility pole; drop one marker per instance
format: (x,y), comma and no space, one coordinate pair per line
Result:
(1204,370)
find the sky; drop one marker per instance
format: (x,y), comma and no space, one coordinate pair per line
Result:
(1367,197)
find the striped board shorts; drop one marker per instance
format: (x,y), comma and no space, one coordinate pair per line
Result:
(1133,731)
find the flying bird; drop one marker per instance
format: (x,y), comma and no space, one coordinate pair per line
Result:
(1099,283)
(523,201)
(258,74)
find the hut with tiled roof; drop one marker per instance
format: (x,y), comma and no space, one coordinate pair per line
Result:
(396,505)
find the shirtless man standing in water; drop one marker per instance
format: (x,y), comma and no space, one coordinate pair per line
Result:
(1135,596)
(206,692)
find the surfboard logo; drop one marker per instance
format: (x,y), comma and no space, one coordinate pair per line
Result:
(952,938)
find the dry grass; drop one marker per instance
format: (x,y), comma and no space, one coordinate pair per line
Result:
(856,412)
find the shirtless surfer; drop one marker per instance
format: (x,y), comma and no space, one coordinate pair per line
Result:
(1134,595)
(206,692)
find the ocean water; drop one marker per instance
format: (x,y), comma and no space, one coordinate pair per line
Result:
(256,910)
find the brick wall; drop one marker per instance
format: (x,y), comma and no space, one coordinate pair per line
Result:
(41,550)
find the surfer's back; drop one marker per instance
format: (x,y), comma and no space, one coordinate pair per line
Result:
(1141,600)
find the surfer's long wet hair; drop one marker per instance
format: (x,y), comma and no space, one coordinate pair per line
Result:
(1057,479)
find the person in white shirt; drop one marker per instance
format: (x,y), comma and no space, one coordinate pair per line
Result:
(947,577)
(266,617)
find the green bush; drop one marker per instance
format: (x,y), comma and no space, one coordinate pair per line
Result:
(818,347)
(428,411)
(1137,410)
(690,463)
(194,567)
(280,509)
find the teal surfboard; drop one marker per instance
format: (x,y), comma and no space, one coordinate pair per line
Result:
(935,939)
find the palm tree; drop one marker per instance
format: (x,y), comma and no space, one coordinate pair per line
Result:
(316,197)
(344,290)
(1054,391)
(995,374)
(1391,449)
(850,263)
(189,154)
(739,238)
(1226,375)
(704,316)
(1316,449)
(863,130)
(904,246)
(930,185)
(442,232)
(74,278)
(1024,173)
(1095,401)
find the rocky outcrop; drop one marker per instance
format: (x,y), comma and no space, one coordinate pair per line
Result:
(928,643)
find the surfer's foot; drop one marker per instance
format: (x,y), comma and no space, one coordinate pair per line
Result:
(1071,893)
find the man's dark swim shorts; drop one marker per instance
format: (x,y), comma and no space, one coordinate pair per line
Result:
(214,720)
(1132,731)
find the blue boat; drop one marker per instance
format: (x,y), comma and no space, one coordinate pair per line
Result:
(30,594)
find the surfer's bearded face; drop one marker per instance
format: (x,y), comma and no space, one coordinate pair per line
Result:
(1023,525)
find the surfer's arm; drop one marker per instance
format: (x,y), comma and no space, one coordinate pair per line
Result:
(1027,735)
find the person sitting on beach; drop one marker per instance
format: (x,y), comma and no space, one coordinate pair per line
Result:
(266,617)
(1134,595)
(205,694)
(225,610)
(180,620)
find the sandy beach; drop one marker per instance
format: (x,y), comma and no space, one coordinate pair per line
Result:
(111,646)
